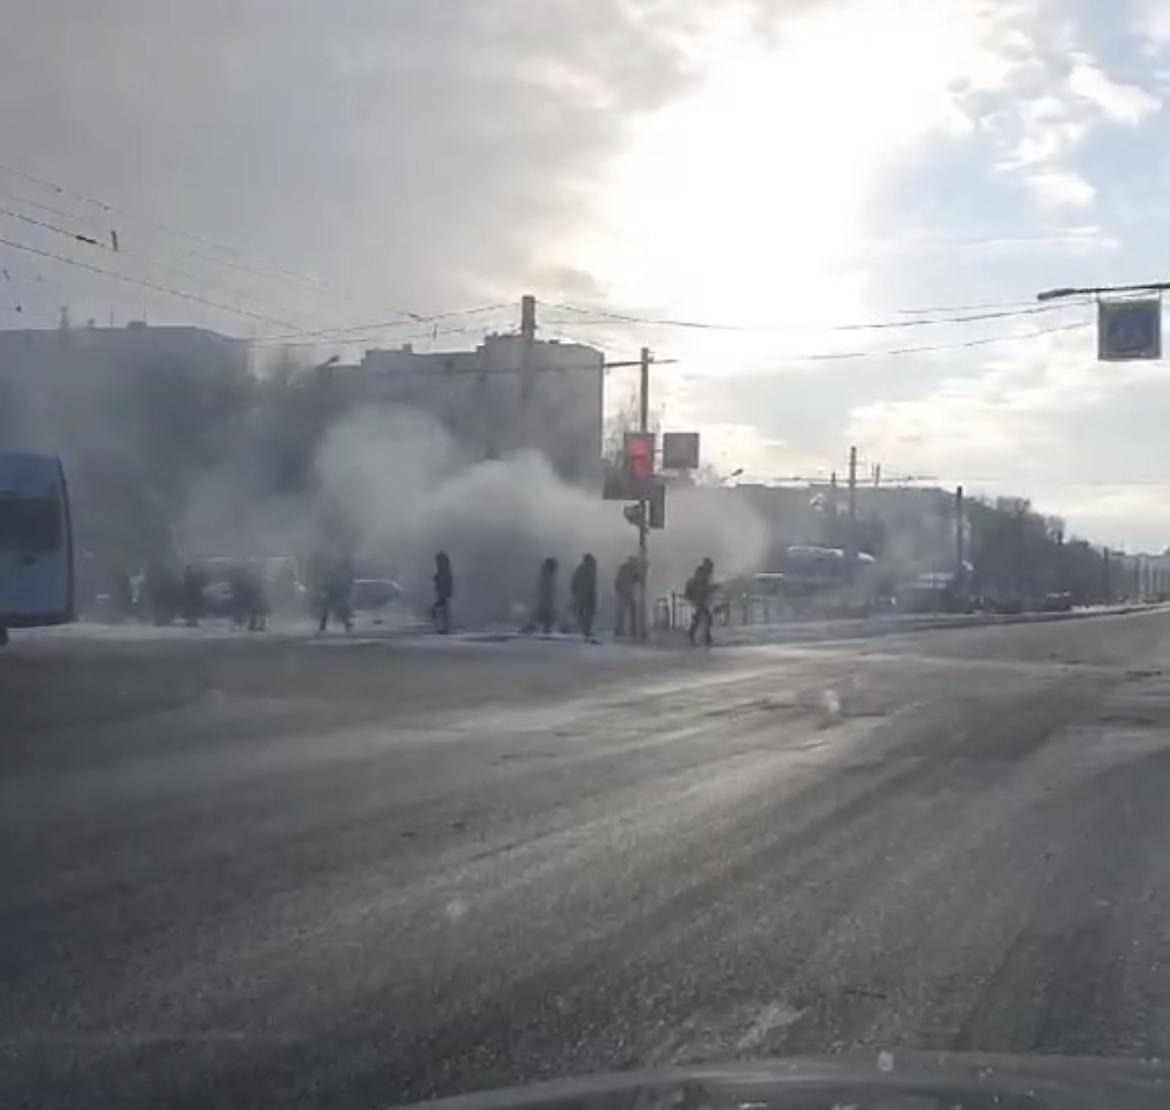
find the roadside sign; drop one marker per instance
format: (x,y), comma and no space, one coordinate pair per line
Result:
(1129,330)
(680,450)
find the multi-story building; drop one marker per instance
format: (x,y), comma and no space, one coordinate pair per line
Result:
(509,394)
(59,387)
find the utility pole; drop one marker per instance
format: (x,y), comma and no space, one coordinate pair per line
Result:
(643,506)
(1020,555)
(643,363)
(528,316)
(851,544)
(528,337)
(960,538)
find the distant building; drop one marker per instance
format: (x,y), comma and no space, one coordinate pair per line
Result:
(55,382)
(133,412)
(507,395)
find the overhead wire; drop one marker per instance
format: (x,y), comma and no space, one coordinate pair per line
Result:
(339,331)
(957,317)
(921,317)
(155,286)
(123,252)
(242,262)
(428,333)
(938,348)
(357,331)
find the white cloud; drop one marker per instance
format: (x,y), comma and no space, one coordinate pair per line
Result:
(1152,21)
(1118,102)
(1011,422)
(1070,96)
(1135,517)
(1059,187)
(748,197)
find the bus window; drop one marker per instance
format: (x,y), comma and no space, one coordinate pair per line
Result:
(31,525)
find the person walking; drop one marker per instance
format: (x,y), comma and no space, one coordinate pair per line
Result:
(625,588)
(583,587)
(256,596)
(337,594)
(191,592)
(444,591)
(700,592)
(545,613)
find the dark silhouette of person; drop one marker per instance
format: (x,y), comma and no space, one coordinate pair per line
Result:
(337,594)
(700,592)
(583,587)
(255,599)
(625,587)
(194,581)
(241,588)
(444,591)
(545,613)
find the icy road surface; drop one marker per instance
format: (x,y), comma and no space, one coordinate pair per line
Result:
(294,872)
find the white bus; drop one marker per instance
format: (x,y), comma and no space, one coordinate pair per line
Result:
(36,543)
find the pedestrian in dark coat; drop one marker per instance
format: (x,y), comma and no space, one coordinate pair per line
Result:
(625,587)
(700,592)
(583,587)
(444,591)
(545,613)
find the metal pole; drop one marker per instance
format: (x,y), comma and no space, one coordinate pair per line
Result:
(643,508)
(960,554)
(852,546)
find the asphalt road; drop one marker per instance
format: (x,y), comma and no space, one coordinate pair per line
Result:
(254,873)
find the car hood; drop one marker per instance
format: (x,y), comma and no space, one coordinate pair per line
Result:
(881,1081)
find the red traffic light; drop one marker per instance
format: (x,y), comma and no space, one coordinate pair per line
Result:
(639,453)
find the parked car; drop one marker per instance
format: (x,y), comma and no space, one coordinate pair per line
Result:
(378,598)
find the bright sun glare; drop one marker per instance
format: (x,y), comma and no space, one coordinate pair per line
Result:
(751,199)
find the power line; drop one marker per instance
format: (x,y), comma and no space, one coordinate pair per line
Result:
(342,333)
(88,240)
(155,286)
(428,333)
(114,245)
(24,310)
(123,252)
(244,263)
(984,341)
(939,348)
(880,325)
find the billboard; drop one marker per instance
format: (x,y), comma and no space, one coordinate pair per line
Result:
(680,450)
(1129,330)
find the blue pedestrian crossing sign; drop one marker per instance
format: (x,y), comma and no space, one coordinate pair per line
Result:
(1130,330)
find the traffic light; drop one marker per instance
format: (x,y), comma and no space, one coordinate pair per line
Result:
(657,505)
(633,514)
(638,453)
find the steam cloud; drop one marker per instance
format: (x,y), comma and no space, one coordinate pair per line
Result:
(407,489)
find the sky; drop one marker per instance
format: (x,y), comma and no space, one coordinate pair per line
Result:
(777,176)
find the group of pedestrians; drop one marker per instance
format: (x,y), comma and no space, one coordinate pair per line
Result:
(583,597)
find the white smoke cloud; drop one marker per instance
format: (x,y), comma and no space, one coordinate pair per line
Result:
(409,490)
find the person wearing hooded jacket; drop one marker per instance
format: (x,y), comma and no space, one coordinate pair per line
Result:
(625,587)
(700,592)
(444,591)
(545,613)
(583,587)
